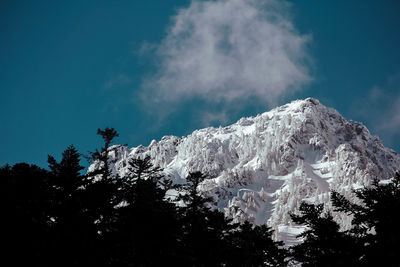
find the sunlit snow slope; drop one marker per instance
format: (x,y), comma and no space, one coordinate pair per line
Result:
(262,167)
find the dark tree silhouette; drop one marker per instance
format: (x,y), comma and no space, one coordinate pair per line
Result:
(73,233)
(27,200)
(102,195)
(69,166)
(62,217)
(101,156)
(205,230)
(210,239)
(253,245)
(201,238)
(148,225)
(323,244)
(376,222)
(143,169)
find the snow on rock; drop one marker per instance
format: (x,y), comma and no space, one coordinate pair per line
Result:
(261,168)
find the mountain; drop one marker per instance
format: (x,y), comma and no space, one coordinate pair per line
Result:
(262,167)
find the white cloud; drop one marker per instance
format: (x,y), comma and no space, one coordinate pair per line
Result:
(229,50)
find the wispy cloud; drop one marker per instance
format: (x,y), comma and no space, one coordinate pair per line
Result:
(390,122)
(119,80)
(208,118)
(380,108)
(229,51)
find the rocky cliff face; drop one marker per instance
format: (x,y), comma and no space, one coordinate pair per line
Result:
(262,167)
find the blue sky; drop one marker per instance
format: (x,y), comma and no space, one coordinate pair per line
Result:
(154,68)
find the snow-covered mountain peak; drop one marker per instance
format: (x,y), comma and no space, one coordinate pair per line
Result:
(260,168)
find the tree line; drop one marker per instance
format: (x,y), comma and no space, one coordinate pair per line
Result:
(64,217)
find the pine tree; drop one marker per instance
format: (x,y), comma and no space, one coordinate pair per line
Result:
(74,234)
(66,175)
(323,244)
(101,197)
(205,230)
(143,169)
(375,222)
(147,223)
(104,185)
(254,246)
(108,135)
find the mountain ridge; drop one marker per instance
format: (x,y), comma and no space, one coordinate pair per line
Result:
(262,167)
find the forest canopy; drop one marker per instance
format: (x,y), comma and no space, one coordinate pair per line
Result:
(61,216)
